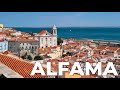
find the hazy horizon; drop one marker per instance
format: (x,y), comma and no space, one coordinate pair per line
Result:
(60,19)
(71,27)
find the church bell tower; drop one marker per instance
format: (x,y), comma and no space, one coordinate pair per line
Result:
(54,30)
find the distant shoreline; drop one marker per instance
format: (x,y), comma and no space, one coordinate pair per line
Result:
(97,34)
(65,27)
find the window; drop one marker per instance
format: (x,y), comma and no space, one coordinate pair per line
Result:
(5,45)
(50,40)
(35,47)
(0,47)
(55,31)
(26,48)
(46,40)
(42,40)
(55,42)
(29,47)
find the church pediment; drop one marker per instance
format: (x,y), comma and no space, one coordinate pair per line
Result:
(45,33)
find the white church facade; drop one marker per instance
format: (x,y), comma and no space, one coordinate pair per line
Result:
(47,39)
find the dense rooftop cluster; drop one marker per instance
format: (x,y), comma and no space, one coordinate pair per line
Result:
(69,51)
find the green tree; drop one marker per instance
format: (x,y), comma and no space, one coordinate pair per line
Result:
(64,55)
(38,58)
(59,41)
(23,57)
(29,57)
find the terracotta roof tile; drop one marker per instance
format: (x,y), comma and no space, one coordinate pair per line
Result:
(89,76)
(2,33)
(81,55)
(91,61)
(112,48)
(27,40)
(41,50)
(21,67)
(118,50)
(43,32)
(7,52)
(45,50)
(74,58)
(23,40)
(1,40)
(100,47)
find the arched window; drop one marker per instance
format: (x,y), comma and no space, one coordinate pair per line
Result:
(54,31)
(29,47)
(46,40)
(42,40)
(50,40)
(35,47)
(22,48)
(26,48)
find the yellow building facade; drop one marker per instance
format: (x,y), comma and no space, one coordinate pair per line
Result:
(1,25)
(67,75)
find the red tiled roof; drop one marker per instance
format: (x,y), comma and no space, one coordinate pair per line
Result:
(63,60)
(12,39)
(59,46)
(21,67)
(118,53)
(54,61)
(118,50)
(28,40)
(45,50)
(1,40)
(88,76)
(100,47)
(81,55)
(41,50)
(74,58)
(2,33)
(117,62)
(91,47)
(43,32)
(91,61)
(7,52)
(78,46)
(112,48)
(23,40)
(55,68)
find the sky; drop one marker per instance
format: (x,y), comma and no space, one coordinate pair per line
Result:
(60,19)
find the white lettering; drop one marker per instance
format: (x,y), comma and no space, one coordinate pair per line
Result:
(107,69)
(49,69)
(61,69)
(89,68)
(37,65)
(79,71)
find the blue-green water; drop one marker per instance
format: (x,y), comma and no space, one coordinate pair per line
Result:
(81,33)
